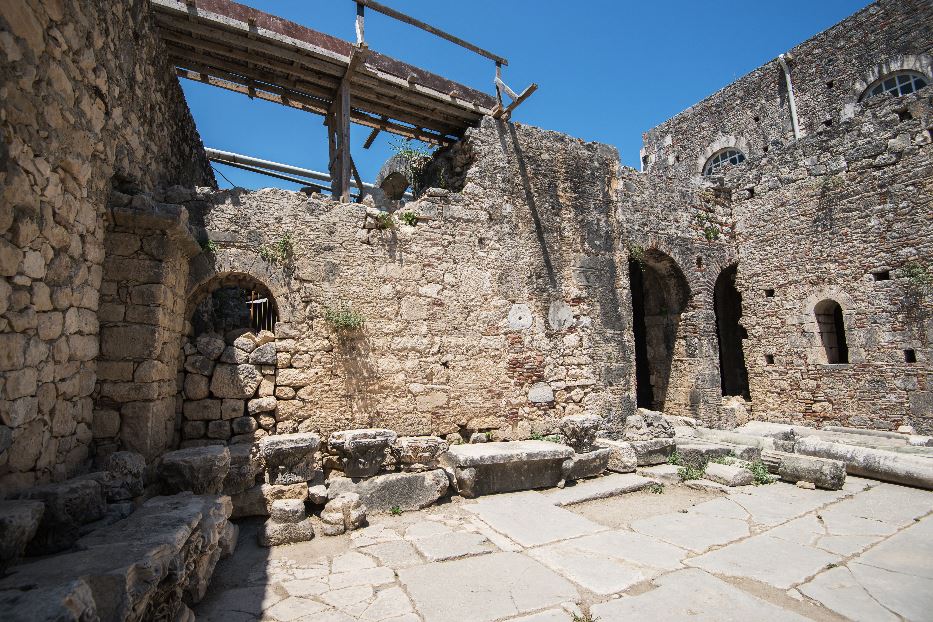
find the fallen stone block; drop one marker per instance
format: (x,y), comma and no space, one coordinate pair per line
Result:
(656,451)
(580,431)
(406,491)
(878,464)
(736,438)
(276,534)
(290,458)
(343,513)
(729,475)
(646,425)
(362,452)
(418,453)
(69,602)
(245,466)
(144,567)
(622,457)
(665,473)
(590,464)
(696,455)
(68,506)
(19,521)
(600,488)
(824,473)
(490,468)
(257,501)
(200,470)
(288,511)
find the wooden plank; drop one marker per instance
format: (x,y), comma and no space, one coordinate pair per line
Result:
(360,16)
(359,182)
(343,138)
(371,138)
(505,114)
(505,87)
(417,23)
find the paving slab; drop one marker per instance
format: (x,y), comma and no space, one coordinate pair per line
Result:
(610,562)
(531,519)
(837,589)
(773,504)
(696,532)
(599,488)
(723,507)
(453,545)
(696,596)
(396,554)
(907,595)
(551,615)
(776,562)
(484,588)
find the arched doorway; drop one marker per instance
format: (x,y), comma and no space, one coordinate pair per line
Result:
(659,296)
(727,303)
(232,302)
(831,324)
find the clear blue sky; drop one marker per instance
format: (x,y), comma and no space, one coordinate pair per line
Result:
(607,70)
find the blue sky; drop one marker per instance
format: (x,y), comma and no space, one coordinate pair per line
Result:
(607,70)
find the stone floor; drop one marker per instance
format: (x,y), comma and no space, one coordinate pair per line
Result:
(773,552)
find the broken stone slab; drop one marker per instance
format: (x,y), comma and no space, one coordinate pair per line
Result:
(68,506)
(590,464)
(274,533)
(290,458)
(143,567)
(245,466)
(646,425)
(288,511)
(600,488)
(257,501)
(878,464)
(580,431)
(622,457)
(823,472)
(406,491)
(69,602)
(729,475)
(362,452)
(666,473)
(490,468)
(696,455)
(343,513)
(418,453)
(19,521)
(655,451)
(201,470)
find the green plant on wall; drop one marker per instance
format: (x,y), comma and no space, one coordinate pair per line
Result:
(282,251)
(385,221)
(707,226)
(343,319)
(409,218)
(919,278)
(416,156)
(636,252)
(208,246)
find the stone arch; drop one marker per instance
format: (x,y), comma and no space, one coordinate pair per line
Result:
(816,304)
(830,323)
(263,308)
(723,142)
(660,294)
(727,304)
(921,63)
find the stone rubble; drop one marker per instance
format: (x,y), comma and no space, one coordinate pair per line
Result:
(343,513)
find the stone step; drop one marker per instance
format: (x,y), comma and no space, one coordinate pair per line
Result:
(600,488)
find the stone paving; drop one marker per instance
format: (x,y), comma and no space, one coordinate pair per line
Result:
(773,552)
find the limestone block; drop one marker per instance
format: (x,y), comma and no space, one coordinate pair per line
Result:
(729,474)
(68,506)
(264,355)
(106,423)
(202,410)
(580,431)
(193,429)
(234,355)
(490,468)
(129,470)
(823,472)
(646,425)
(199,469)
(210,345)
(65,602)
(199,364)
(590,464)
(362,452)
(343,513)
(622,457)
(231,409)
(197,387)
(696,455)
(288,511)
(381,493)
(655,451)
(418,453)
(19,521)
(235,381)
(245,466)
(541,393)
(219,430)
(317,494)
(243,425)
(290,458)
(261,405)
(274,533)
(245,341)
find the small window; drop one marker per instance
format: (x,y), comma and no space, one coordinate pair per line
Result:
(720,159)
(882,275)
(910,356)
(897,84)
(769,293)
(769,359)
(831,324)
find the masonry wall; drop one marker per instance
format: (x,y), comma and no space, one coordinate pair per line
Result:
(829,73)
(86,103)
(815,221)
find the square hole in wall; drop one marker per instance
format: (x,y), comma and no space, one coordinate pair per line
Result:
(910,356)
(769,359)
(828,122)
(904,115)
(765,148)
(829,84)
(757,118)
(881,275)
(769,293)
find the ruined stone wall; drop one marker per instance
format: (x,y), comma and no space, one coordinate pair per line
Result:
(829,73)
(818,220)
(86,102)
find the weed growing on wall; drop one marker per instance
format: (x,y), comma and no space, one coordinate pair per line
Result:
(343,319)
(416,157)
(636,252)
(282,251)
(919,278)
(707,226)
(385,221)
(208,246)
(409,218)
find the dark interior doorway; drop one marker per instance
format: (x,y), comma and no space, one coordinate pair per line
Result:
(727,302)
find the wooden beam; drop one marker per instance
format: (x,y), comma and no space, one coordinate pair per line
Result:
(505,87)
(380,8)
(505,114)
(360,38)
(359,182)
(343,138)
(371,137)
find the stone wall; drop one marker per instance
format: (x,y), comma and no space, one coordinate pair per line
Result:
(829,73)
(826,218)
(86,102)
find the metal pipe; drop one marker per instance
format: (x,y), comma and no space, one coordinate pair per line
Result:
(790,92)
(261,171)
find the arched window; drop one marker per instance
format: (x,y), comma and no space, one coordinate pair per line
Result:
(897,84)
(830,323)
(720,159)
